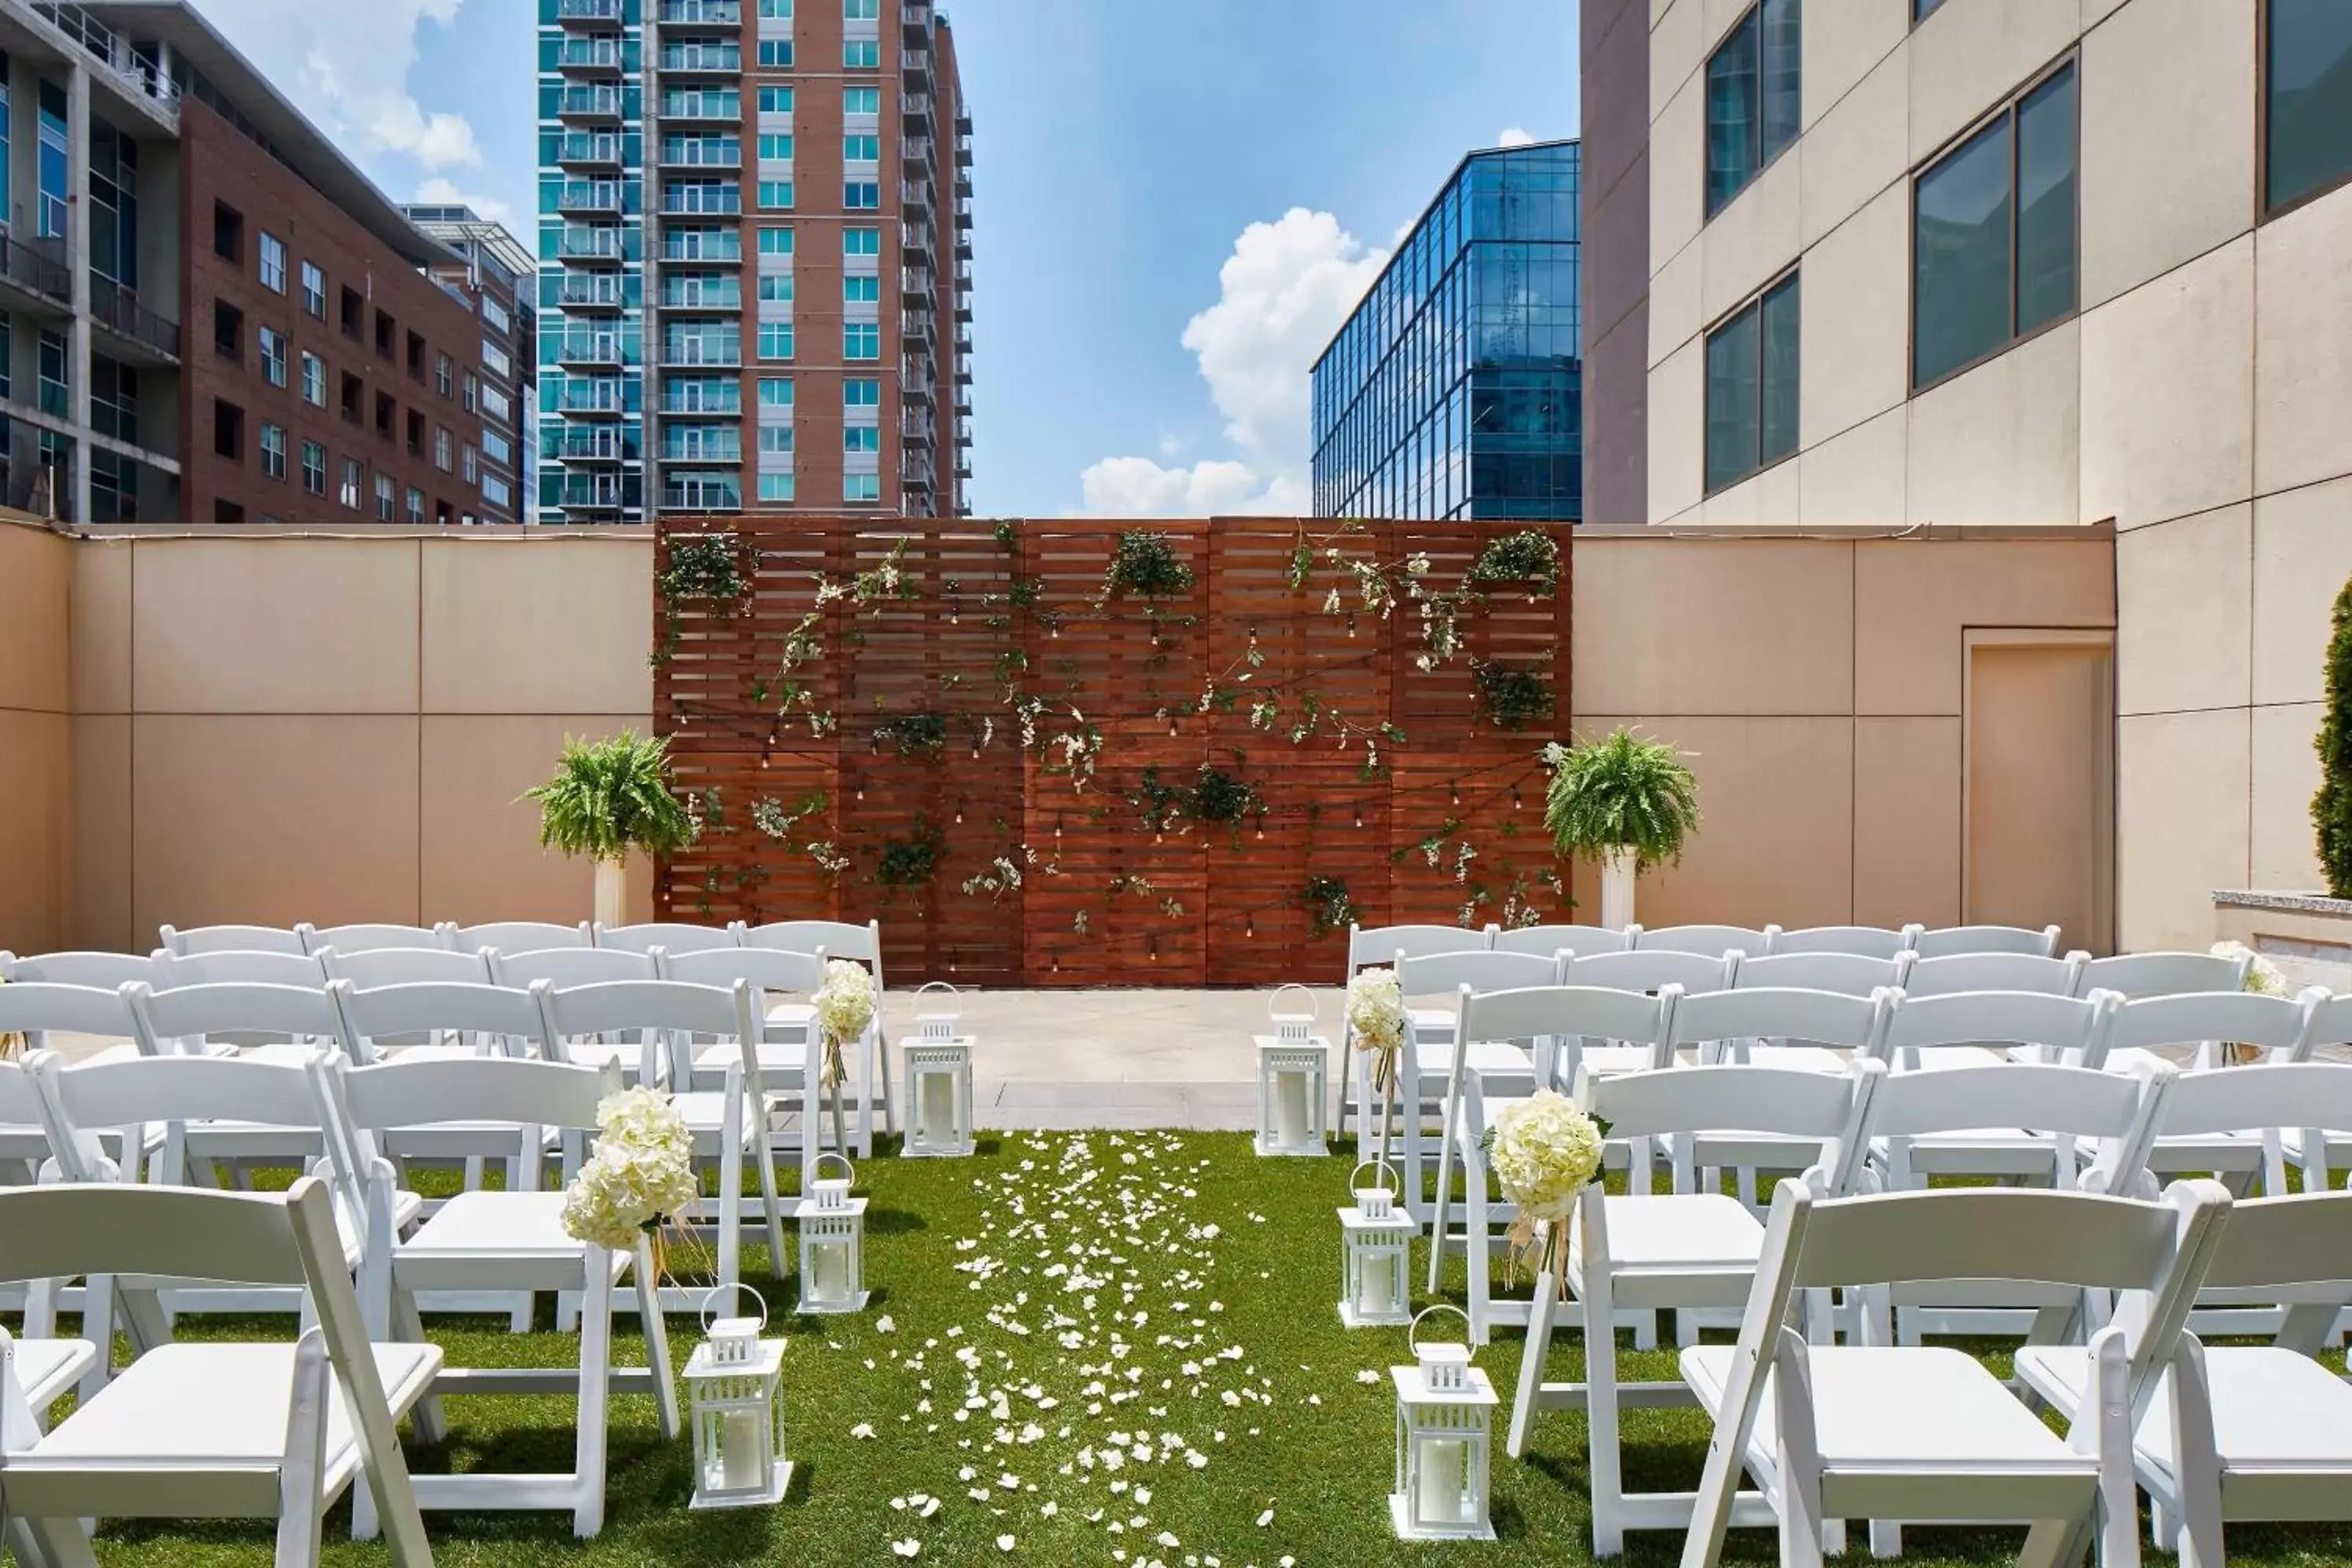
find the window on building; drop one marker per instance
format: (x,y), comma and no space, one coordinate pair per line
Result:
(387,412)
(776,53)
(775,195)
(861,149)
(228,330)
(416,356)
(352,309)
(776,287)
(776,439)
(495,403)
(776,10)
(314,467)
(228,429)
(273,451)
(2307,89)
(355,398)
(1919,8)
(228,233)
(387,333)
(53,166)
(1751,386)
(415,433)
(496,446)
(861,286)
(775,240)
(861,54)
(471,466)
(496,491)
(861,438)
(775,340)
(227,511)
(445,375)
(775,101)
(861,196)
(861,242)
(445,446)
(1993,241)
(861,100)
(314,291)
(272,252)
(861,487)
(775,392)
(775,147)
(861,393)
(354,474)
(775,487)
(1753,97)
(861,339)
(273,356)
(496,358)
(387,499)
(473,391)
(314,380)
(860,10)
(416,507)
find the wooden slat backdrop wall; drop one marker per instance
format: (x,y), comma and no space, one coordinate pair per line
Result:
(994,613)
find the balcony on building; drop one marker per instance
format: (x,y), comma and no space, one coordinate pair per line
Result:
(963,467)
(582,243)
(702,57)
(914,239)
(581,398)
(918,328)
(597,444)
(589,103)
(962,311)
(136,69)
(727,14)
(963,375)
(963,150)
(702,395)
(963,126)
(917,469)
(690,350)
(590,490)
(711,104)
(915,64)
(915,197)
(917,425)
(915,110)
(963,192)
(597,292)
(35,278)
(600,197)
(963,340)
(915,283)
(588,150)
(141,334)
(702,492)
(706,447)
(964,254)
(587,349)
(704,151)
(963,412)
(588,13)
(702,244)
(702,198)
(593,56)
(915,21)
(915,152)
(701,291)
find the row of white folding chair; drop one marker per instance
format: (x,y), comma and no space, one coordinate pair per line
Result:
(217,1430)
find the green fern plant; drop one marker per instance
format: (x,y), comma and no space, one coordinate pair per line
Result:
(1621,791)
(2331,807)
(611,796)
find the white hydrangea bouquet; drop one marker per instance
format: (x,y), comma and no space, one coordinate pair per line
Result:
(1544,1150)
(1376,1025)
(844,1009)
(2264,978)
(639,1177)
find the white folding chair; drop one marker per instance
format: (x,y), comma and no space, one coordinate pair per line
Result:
(39,1009)
(1978,1028)
(1424,1069)
(2317,1158)
(215,1430)
(373,968)
(1371,947)
(1671,1252)
(1954,972)
(352,939)
(1889,1433)
(298,1022)
(2202,1022)
(673,936)
(568,967)
(1712,941)
(2133,975)
(772,974)
(498,1242)
(1869,941)
(52,1364)
(231,938)
(2242,1432)
(1546,941)
(1945,941)
(871,1074)
(516,936)
(727,1124)
(1558,1017)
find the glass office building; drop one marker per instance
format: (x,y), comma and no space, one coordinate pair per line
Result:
(1455,390)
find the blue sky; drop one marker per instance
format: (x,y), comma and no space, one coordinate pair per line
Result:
(1175,203)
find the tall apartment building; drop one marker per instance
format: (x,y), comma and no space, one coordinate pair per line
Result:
(1929,262)
(1454,390)
(755,225)
(206,313)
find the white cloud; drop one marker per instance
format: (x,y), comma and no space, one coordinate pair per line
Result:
(1512,136)
(441,191)
(346,63)
(1282,294)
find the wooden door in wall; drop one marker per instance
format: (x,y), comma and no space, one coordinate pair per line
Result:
(2038,790)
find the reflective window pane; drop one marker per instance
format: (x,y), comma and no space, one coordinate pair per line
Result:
(1960,256)
(1732,413)
(1779,422)
(2309,130)
(1783,106)
(1731,115)
(2045,194)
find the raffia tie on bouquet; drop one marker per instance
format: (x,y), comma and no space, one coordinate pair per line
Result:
(1542,1244)
(830,1070)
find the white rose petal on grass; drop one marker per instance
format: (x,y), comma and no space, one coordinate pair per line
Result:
(1368,1376)
(1265,1519)
(907,1548)
(883,1325)
(862,1430)
(930,1507)
(1005,1543)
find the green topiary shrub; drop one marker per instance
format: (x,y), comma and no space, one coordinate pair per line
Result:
(2331,809)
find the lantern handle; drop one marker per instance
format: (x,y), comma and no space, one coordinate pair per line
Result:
(1314,1009)
(842,1160)
(1411,1334)
(738,1288)
(1381,1167)
(930,986)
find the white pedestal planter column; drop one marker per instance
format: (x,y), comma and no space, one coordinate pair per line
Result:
(1617,873)
(612,892)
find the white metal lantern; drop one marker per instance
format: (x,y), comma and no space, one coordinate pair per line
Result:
(939,1080)
(832,1242)
(1293,1067)
(734,1390)
(1375,1253)
(1444,1409)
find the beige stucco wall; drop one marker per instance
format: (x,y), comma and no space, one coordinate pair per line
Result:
(274,728)
(1819,681)
(2196,399)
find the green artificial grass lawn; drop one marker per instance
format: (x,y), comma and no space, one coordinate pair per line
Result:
(1203,1329)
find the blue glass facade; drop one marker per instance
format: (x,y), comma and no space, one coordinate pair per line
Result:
(1455,391)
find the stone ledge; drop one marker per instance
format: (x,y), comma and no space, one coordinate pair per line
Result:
(2299,903)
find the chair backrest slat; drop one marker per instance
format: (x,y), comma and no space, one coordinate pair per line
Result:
(2245,1018)
(245,967)
(2079,1102)
(619,1004)
(1725,1098)
(34,1007)
(1645,969)
(2001,1018)
(1867,942)
(767,968)
(442,1090)
(1563,1012)
(839,938)
(2292,1239)
(1546,940)
(1947,941)
(1940,975)
(2138,974)
(351,939)
(108,969)
(372,1013)
(565,967)
(174,1233)
(1447,973)
(1848,973)
(408,967)
(517,936)
(231,938)
(233,1008)
(2314,1095)
(2082,1239)
(1710,940)
(675,936)
(1825,1018)
(142,1090)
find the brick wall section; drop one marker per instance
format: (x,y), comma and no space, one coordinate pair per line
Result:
(220,165)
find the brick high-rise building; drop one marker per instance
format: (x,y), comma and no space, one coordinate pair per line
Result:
(755,237)
(207,314)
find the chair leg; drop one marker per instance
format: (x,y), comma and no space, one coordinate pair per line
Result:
(1475,1242)
(1601,1424)
(300,1515)
(656,1335)
(50,1543)
(431,1422)
(1445,1205)
(773,1209)
(1532,1356)
(731,1182)
(595,1395)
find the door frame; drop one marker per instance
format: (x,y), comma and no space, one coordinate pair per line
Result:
(2101,939)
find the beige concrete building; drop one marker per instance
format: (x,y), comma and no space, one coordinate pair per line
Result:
(1908,262)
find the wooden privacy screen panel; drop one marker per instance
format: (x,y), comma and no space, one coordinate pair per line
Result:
(1032,776)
